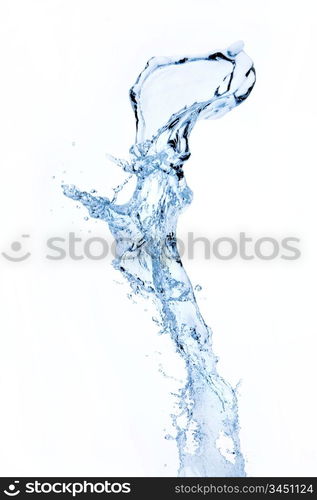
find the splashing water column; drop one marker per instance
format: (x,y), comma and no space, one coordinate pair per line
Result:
(168,98)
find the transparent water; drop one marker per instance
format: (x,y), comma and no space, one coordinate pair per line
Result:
(168,98)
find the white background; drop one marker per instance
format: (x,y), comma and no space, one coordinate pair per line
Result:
(80,387)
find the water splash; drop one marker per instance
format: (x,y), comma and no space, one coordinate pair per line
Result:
(168,98)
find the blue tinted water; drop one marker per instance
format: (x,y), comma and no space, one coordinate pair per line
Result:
(168,98)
